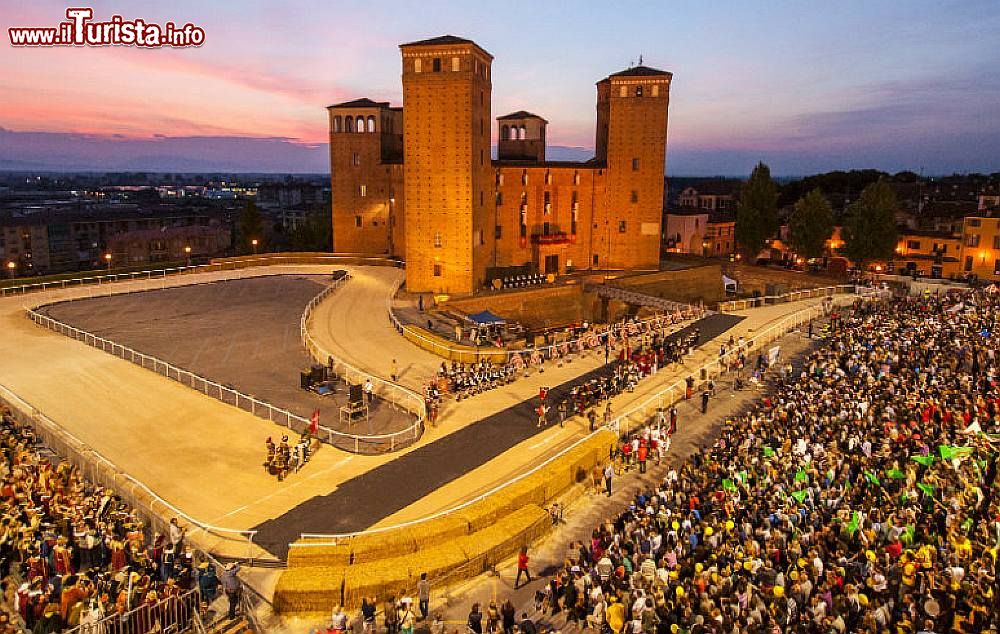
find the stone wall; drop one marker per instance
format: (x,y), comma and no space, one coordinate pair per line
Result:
(757,278)
(700,283)
(542,307)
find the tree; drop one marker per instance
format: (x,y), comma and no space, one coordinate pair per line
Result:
(811,224)
(314,233)
(757,211)
(251,227)
(870,228)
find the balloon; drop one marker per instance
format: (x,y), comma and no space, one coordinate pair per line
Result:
(779,591)
(675,525)
(680,592)
(708,531)
(730,525)
(698,568)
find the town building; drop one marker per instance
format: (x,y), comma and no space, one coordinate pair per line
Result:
(418,182)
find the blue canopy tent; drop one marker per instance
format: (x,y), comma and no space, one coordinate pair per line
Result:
(486,318)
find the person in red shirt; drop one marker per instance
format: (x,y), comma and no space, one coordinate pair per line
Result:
(643,453)
(522,567)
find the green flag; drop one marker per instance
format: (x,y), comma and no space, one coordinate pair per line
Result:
(800,495)
(908,534)
(768,452)
(950,451)
(742,476)
(801,476)
(871,477)
(926,488)
(896,474)
(967,524)
(852,526)
(728,485)
(924,460)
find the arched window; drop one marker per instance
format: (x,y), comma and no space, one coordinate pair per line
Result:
(504,132)
(337,124)
(521,133)
(348,124)
(638,91)
(371,123)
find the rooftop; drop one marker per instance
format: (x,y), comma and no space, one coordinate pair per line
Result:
(442,39)
(641,71)
(363,102)
(520,114)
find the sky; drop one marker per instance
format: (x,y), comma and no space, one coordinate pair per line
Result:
(804,86)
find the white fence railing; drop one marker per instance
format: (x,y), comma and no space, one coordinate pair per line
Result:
(358,443)
(395,394)
(636,416)
(589,340)
(792,296)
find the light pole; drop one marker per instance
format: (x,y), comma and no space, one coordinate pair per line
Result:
(878,269)
(107,258)
(11,268)
(253,243)
(187,252)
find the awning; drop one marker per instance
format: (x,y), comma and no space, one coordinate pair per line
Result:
(729,283)
(485,318)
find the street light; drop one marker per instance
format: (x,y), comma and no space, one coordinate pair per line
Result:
(11,267)
(187,252)
(253,243)
(107,258)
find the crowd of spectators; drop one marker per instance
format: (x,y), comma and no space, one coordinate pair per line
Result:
(861,495)
(72,554)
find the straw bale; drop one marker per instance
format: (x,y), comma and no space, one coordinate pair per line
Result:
(378,579)
(529,490)
(368,547)
(502,539)
(432,532)
(485,512)
(312,590)
(302,556)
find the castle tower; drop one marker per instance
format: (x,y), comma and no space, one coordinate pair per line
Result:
(448,173)
(366,149)
(522,137)
(632,142)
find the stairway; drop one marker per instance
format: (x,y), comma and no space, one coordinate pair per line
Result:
(224,625)
(636,298)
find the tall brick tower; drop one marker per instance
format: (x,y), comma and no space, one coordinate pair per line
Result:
(632,141)
(448,175)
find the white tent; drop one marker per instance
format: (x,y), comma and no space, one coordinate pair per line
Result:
(729,284)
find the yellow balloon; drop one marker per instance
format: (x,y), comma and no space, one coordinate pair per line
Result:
(730,525)
(698,567)
(779,591)
(863,600)
(675,525)
(708,531)
(680,592)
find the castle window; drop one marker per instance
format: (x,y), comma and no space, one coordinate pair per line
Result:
(456,64)
(363,190)
(416,65)
(437,270)
(576,178)
(635,165)
(548,178)
(521,134)
(524,177)
(504,132)
(437,65)
(635,196)
(497,232)
(499,199)
(337,124)
(437,239)
(371,123)
(481,198)
(597,259)
(545,228)
(638,91)
(357,221)
(482,237)
(499,178)
(356,159)
(348,124)
(621,226)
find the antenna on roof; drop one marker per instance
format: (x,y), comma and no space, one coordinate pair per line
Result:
(640,59)
(631,63)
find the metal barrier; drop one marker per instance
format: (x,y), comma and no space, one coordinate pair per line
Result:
(792,296)
(588,340)
(175,614)
(636,416)
(391,392)
(357,443)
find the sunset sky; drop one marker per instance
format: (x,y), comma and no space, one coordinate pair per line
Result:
(804,85)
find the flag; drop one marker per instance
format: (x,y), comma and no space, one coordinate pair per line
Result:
(926,488)
(801,476)
(800,495)
(872,478)
(852,526)
(924,460)
(742,476)
(908,534)
(896,474)
(728,485)
(314,422)
(967,524)
(949,451)
(768,452)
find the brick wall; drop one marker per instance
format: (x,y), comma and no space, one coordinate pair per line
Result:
(701,283)
(545,306)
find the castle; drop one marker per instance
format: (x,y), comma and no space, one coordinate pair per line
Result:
(418,182)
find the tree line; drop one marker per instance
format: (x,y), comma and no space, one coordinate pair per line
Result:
(868,227)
